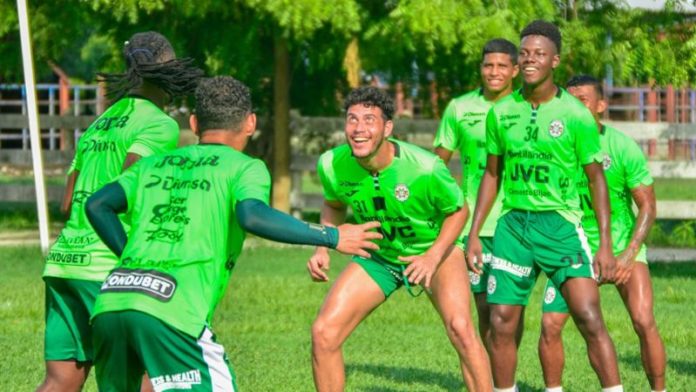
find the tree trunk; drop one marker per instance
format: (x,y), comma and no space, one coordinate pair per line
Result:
(351,63)
(281,125)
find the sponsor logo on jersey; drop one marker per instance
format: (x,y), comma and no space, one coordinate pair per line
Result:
(155,284)
(474,278)
(183,380)
(606,162)
(492,284)
(401,192)
(68,258)
(556,128)
(550,295)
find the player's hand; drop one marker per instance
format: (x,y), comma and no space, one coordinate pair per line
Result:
(318,265)
(624,265)
(357,239)
(421,268)
(605,265)
(474,254)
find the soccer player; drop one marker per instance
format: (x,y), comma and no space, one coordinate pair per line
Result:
(134,126)
(421,208)
(538,137)
(463,128)
(628,179)
(189,211)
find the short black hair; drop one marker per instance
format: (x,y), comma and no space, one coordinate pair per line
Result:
(546,29)
(371,96)
(150,57)
(222,102)
(500,45)
(586,80)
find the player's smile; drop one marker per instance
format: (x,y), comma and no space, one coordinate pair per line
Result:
(366,129)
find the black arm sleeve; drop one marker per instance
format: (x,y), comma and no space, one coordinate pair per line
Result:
(102,210)
(260,219)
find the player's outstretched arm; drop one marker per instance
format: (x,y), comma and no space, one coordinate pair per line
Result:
(604,263)
(644,197)
(102,210)
(66,204)
(488,191)
(258,218)
(422,267)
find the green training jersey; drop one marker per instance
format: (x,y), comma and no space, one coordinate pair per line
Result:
(410,197)
(131,125)
(542,149)
(625,168)
(463,129)
(185,237)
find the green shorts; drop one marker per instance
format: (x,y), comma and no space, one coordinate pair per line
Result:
(388,276)
(128,343)
(478,282)
(554,301)
(69,305)
(527,243)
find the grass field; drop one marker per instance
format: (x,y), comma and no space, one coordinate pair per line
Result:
(265,318)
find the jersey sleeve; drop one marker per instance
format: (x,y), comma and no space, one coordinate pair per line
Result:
(444,191)
(587,145)
(158,137)
(128,180)
(325,171)
(448,132)
(76,163)
(493,143)
(635,164)
(254,182)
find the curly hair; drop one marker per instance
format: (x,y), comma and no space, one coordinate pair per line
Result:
(371,96)
(222,102)
(500,45)
(586,80)
(149,56)
(546,29)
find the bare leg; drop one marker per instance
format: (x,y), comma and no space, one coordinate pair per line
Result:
(450,296)
(65,376)
(582,296)
(503,349)
(551,348)
(350,300)
(146,385)
(637,295)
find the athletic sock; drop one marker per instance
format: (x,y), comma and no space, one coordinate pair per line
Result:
(553,389)
(615,388)
(663,390)
(511,389)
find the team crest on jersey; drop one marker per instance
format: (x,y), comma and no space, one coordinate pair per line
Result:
(401,192)
(606,162)
(556,128)
(474,278)
(550,295)
(492,284)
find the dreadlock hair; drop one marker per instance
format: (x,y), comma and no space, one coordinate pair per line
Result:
(546,29)
(500,45)
(371,96)
(150,57)
(222,102)
(586,80)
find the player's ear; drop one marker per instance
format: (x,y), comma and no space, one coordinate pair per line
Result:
(515,70)
(555,61)
(602,105)
(193,122)
(250,124)
(388,127)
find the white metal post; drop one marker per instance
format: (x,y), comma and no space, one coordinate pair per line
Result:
(34,131)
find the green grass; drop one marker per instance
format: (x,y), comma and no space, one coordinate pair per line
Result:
(264,323)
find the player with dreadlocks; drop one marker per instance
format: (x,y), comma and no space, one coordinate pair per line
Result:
(134,126)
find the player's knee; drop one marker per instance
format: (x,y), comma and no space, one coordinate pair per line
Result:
(324,336)
(644,323)
(589,321)
(550,329)
(461,331)
(502,324)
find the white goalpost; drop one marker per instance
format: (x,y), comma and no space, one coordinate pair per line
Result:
(34,130)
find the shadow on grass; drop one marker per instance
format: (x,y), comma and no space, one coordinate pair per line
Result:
(682,367)
(411,375)
(672,270)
